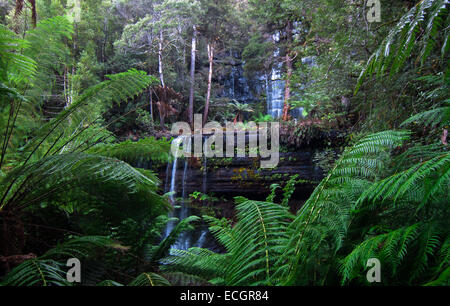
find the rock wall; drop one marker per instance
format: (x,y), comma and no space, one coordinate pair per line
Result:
(229,177)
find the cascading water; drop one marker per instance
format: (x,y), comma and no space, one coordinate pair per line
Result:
(186,240)
(171,224)
(275,85)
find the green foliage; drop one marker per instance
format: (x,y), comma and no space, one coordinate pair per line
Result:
(134,151)
(149,279)
(48,269)
(269,246)
(430,15)
(289,189)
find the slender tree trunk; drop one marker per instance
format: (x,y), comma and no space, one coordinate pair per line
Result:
(289,69)
(208,93)
(151,102)
(160,63)
(191,89)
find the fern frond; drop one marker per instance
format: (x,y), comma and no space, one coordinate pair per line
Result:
(135,151)
(15,66)
(435,172)
(36,272)
(329,206)
(397,47)
(149,279)
(49,269)
(197,261)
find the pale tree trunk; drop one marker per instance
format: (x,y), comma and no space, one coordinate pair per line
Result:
(151,103)
(192,80)
(160,62)
(289,70)
(208,93)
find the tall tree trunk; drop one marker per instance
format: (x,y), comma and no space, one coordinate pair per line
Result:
(289,69)
(208,93)
(160,63)
(151,103)
(191,89)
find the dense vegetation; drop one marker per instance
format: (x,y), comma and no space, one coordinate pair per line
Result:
(88,90)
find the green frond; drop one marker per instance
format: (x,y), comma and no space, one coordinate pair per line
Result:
(135,151)
(163,248)
(183,279)
(329,206)
(109,283)
(411,246)
(439,116)
(81,247)
(50,268)
(51,176)
(397,47)
(14,66)
(391,247)
(87,108)
(435,172)
(36,272)
(197,261)
(149,279)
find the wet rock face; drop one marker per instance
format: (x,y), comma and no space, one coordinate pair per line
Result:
(229,177)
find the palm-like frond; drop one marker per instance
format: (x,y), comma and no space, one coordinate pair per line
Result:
(14,65)
(324,219)
(48,179)
(163,248)
(135,151)
(49,269)
(417,244)
(199,262)
(149,279)
(439,116)
(430,178)
(429,16)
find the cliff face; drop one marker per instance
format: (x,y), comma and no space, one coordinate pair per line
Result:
(229,177)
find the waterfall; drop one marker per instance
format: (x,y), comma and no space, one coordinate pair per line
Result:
(166,186)
(173,182)
(171,224)
(275,85)
(201,240)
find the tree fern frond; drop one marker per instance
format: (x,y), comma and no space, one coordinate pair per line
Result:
(200,262)
(149,279)
(391,247)
(435,172)
(329,206)
(431,15)
(47,178)
(163,248)
(134,151)
(433,117)
(49,269)
(15,66)
(36,272)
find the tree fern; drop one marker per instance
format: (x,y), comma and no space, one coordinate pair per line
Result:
(149,279)
(15,66)
(429,15)
(49,269)
(325,217)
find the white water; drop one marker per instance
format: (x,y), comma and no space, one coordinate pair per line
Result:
(186,239)
(275,85)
